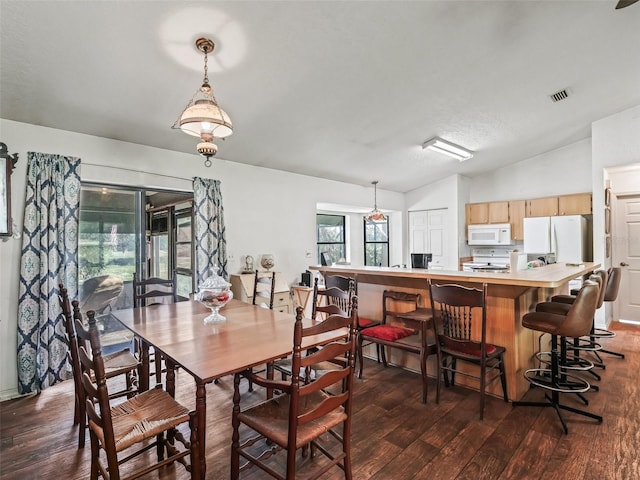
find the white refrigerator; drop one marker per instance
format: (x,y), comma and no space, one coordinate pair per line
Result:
(565,237)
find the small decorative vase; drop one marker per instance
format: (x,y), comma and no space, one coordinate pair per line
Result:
(214,293)
(267,261)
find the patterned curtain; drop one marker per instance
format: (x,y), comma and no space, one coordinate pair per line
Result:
(211,246)
(49,257)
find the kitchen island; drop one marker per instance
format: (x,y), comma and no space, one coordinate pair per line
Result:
(510,296)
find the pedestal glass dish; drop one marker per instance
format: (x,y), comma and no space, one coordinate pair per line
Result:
(214,293)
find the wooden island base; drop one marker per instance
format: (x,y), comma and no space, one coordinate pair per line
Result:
(510,296)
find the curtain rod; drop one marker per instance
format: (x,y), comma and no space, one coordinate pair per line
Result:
(137,171)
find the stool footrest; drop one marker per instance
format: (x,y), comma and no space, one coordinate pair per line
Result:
(573,363)
(541,377)
(602,333)
(585,345)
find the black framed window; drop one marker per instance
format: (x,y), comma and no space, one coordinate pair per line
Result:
(376,243)
(330,236)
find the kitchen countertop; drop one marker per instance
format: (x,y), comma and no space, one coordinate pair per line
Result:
(549,276)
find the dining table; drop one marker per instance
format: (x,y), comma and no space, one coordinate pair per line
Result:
(250,336)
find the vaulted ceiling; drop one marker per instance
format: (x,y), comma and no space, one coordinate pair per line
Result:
(345,90)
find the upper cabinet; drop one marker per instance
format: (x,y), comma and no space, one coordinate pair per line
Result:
(516,215)
(577,204)
(574,204)
(478,213)
(499,212)
(542,207)
(483,213)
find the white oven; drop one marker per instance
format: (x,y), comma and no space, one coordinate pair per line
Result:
(486,259)
(492,234)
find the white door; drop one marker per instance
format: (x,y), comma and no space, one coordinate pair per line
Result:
(428,235)
(626,254)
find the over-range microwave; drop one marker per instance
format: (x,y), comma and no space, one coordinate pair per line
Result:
(491,234)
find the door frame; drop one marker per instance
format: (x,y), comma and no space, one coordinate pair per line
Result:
(619,181)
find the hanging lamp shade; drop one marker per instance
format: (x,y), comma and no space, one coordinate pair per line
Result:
(375,215)
(202,116)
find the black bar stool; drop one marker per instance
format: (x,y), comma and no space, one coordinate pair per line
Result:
(576,323)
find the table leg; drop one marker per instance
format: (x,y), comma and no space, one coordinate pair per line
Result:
(201,411)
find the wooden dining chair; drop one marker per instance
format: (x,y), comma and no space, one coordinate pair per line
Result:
(116,364)
(154,291)
(405,326)
(326,302)
(264,287)
(307,414)
(332,300)
(455,308)
(345,284)
(128,429)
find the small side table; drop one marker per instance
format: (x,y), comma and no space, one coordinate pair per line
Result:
(302,295)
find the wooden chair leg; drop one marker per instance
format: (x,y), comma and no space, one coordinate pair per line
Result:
(503,379)
(359,355)
(483,382)
(423,373)
(82,423)
(383,354)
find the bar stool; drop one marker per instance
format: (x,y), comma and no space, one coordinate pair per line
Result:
(589,343)
(576,323)
(561,305)
(610,295)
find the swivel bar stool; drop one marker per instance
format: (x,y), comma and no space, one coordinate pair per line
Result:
(576,323)
(610,295)
(611,281)
(571,363)
(561,304)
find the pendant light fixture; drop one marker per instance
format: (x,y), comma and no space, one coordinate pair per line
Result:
(202,117)
(375,215)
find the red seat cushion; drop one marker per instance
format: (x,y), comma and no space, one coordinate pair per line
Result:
(365,322)
(390,333)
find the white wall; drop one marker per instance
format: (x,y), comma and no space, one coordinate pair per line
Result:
(450,193)
(562,171)
(266,211)
(616,142)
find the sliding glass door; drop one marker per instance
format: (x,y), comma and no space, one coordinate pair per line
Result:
(125,230)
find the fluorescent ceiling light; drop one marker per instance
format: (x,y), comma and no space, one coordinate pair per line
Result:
(442,146)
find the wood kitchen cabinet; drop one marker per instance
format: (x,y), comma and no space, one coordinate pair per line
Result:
(542,207)
(499,212)
(516,218)
(576,204)
(487,212)
(478,213)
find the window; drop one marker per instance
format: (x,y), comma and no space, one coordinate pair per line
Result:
(331,236)
(376,243)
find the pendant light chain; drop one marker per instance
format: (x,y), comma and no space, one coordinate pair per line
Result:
(206,68)
(375,195)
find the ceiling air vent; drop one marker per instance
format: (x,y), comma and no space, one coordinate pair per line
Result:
(561,95)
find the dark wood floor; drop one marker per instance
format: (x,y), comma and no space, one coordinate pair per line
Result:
(395,436)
